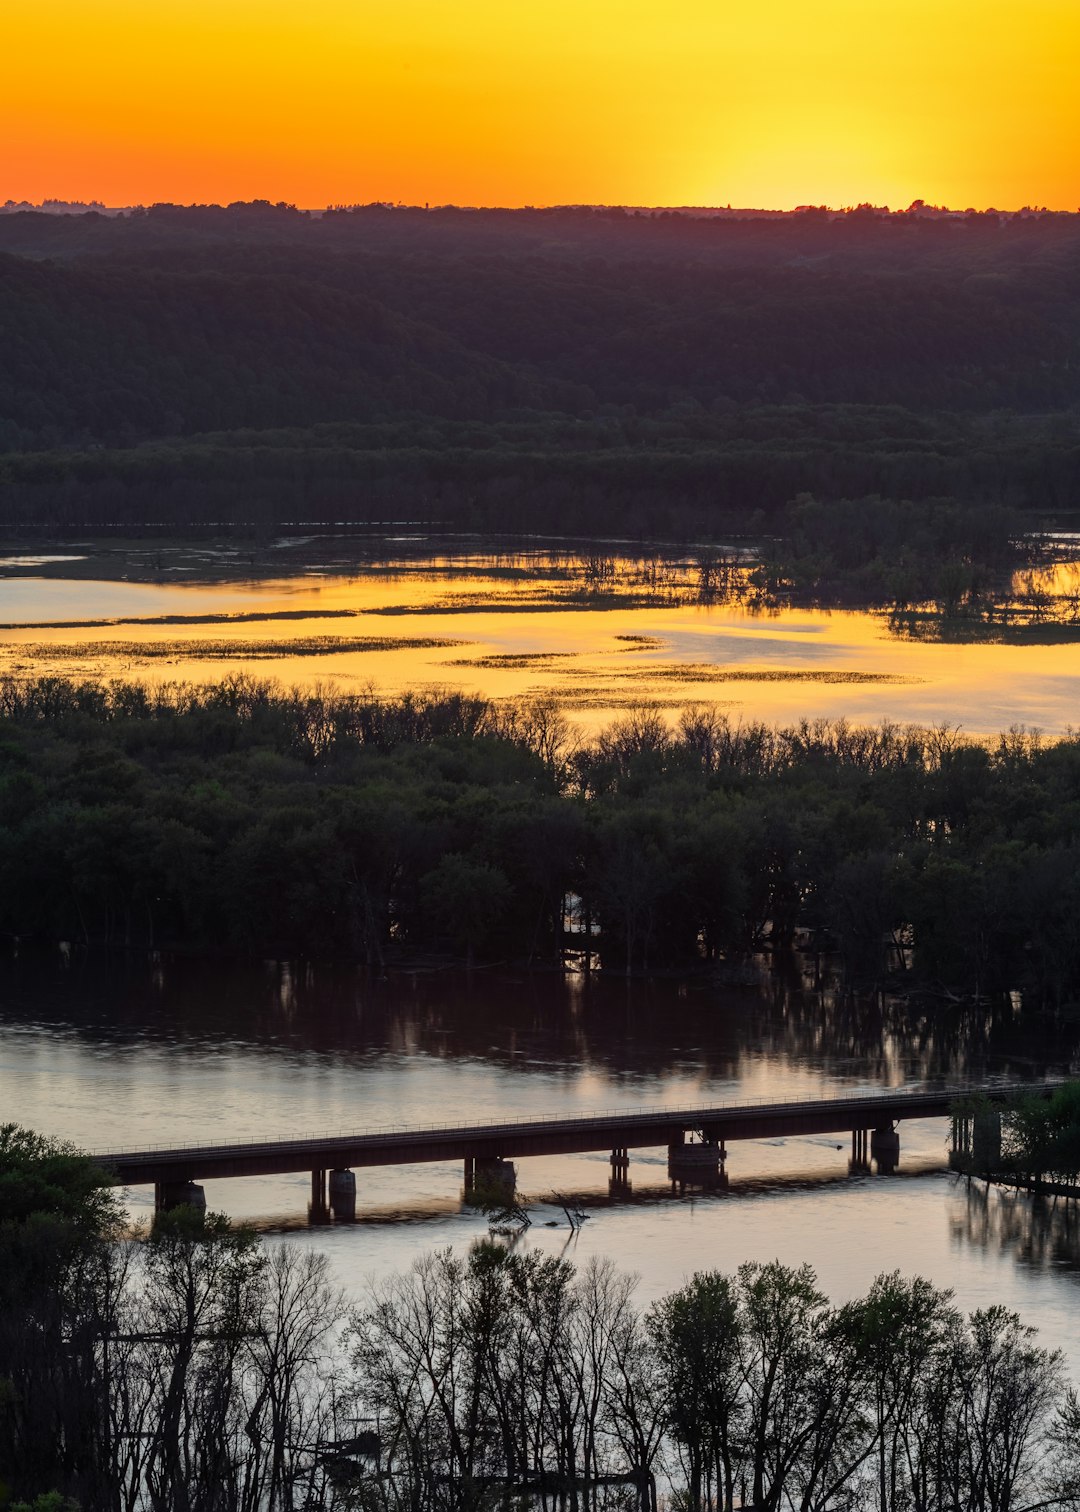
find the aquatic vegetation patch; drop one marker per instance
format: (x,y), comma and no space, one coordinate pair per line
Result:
(583,699)
(226,650)
(968,630)
(540,601)
(502,659)
(640,642)
(250,617)
(709,672)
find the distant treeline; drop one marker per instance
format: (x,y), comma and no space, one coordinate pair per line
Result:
(886,551)
(238,818)
(529,371)
(631,479)
(558,231)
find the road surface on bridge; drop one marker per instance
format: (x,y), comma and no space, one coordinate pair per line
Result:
(622,1129)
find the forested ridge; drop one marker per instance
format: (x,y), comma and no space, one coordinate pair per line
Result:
(237,818)
(529,370)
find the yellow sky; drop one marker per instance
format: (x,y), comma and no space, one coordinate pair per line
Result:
(760,102)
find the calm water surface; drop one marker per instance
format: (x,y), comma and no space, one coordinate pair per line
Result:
(509,631)
(143,1055)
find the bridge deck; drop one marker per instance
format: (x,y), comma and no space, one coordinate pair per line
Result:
(625,1129)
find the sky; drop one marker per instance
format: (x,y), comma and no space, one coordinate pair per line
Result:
(660,102)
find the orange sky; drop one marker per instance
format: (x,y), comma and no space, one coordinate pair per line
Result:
(774,102)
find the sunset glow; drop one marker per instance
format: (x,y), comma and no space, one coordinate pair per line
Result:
(692,102)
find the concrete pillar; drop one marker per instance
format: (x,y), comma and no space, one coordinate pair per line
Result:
(174,1194)
(343,1195)
(960,1155)
(493,1178)
(470,1171)
(986,1140)
(619,1185)
(694,1164)
(885,1148)
(859,1161)
(318,1191)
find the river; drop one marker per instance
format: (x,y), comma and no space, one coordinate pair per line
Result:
(140,1053)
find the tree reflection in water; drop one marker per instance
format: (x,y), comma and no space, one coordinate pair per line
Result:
(1042,1233)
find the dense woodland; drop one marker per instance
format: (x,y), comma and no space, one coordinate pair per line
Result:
(565,370)
(237,818)
(194,1368)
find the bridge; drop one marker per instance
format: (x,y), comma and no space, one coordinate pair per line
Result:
(696,1140)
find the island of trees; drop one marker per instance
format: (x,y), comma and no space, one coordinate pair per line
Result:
(240,818)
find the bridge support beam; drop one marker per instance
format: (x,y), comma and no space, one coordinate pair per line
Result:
(619,1185)
(174,1194)
(343,1195)
(319,1210)
(860,1159)
(492,1178)
(885,1148)
(699,1165)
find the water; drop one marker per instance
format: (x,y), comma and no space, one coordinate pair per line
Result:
(147,1053)
(526,626)
(144,1053)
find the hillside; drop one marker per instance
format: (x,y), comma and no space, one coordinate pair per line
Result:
(528,368)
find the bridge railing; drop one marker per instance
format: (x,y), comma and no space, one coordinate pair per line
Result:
(585,1116)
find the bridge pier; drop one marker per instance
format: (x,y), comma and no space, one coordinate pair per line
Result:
(699,1164)
(960,1143)
(885,1148)
(986,1140)
(174,1194)
(976,1141)
(319,1207)
(343,1195)
(619,1184)
(491,1177)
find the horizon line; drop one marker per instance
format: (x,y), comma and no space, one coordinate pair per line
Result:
(57,205)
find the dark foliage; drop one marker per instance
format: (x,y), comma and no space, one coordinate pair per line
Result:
(238,818)
(567,370)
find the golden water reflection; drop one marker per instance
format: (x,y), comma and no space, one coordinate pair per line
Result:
(499,627)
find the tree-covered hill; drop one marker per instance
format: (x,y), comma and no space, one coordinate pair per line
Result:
(112,353)
(667,372)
